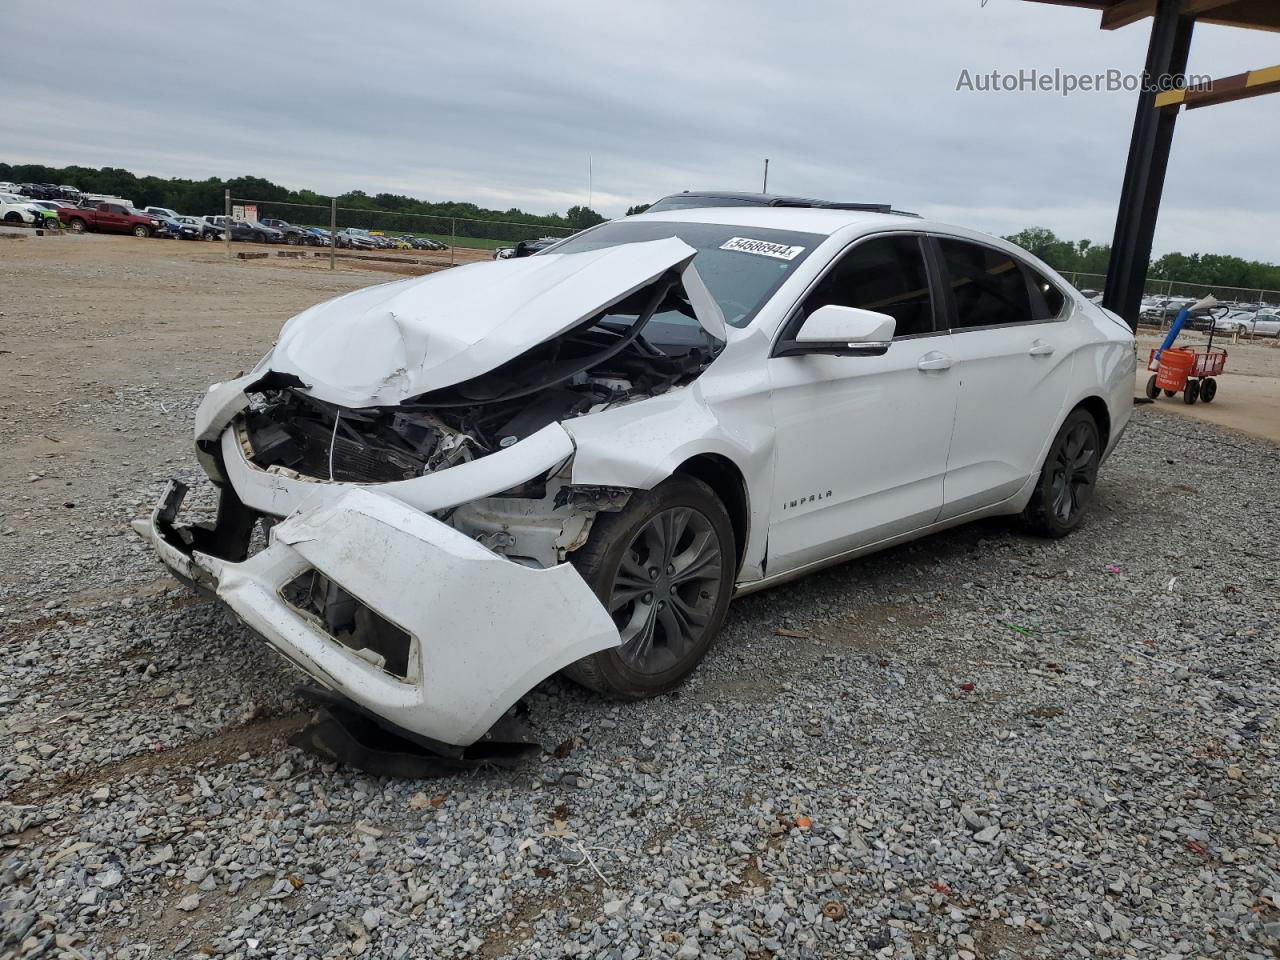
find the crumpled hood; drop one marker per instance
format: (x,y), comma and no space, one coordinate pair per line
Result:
(381,345)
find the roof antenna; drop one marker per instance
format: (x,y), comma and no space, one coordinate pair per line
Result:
(765,188)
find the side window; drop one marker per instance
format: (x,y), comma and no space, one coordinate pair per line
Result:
(1047,300)
(884,274)
(104,208)
(988,286)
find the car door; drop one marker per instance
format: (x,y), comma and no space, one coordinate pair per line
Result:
(861,441)
(1013,346)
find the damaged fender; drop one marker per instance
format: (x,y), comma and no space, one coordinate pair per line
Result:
(482,630)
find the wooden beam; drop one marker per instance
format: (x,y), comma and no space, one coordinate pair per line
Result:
(1194,8)
(1126,12)
(1242,86)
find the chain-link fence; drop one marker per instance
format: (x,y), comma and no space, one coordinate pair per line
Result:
(1177,288)
(347,232)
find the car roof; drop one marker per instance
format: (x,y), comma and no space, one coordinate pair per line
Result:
(819,220)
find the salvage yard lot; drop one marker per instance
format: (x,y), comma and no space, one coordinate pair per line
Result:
(981,745)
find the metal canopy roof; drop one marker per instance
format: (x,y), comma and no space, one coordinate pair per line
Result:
(1251,14)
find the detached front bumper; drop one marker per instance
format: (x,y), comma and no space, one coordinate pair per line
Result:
(471,631)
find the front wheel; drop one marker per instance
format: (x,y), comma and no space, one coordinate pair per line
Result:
(1192,392)
(77,226)
(141,231)
(12,217)
(1152,390)
(1067,479)
(1208,389)
(664,568)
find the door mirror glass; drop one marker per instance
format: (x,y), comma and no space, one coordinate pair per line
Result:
(833,324)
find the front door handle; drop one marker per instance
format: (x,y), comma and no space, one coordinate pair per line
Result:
(933,360)
(1041,349)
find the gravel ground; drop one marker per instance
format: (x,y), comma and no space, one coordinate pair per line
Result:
(977,746)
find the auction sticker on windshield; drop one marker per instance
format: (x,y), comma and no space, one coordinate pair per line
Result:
(779,251)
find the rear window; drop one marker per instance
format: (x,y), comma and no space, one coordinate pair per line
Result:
(741,266)
(988,285)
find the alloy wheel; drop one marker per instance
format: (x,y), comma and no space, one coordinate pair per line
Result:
(666,588)
(1074,467)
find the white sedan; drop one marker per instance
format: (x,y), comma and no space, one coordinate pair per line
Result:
(573,461)
(16,209)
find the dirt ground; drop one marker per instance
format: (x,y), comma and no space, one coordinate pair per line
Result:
(1248,398)
(139,320)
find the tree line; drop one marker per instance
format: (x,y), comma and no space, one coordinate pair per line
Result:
(1208,269)
(203,197)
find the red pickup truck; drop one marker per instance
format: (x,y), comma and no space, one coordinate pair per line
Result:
(109,217)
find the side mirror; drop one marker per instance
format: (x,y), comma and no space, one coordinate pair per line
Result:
(842,332)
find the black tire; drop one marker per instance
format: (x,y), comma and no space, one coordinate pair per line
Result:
(141,231)
(1067,479)
(668,615)
(259,237)
(1171,393)
(77,225)
(12,217)
(1152,390)
(209,236)
(1192,392)
(291,239)
(1208,389)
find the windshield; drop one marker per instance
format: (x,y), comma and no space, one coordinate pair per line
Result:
(741,266)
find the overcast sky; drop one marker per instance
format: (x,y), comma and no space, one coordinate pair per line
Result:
(502,103)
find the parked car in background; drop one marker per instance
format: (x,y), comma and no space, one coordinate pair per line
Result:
(292,233)
(317,237)
(194,228)
(246,232)
(356,239)
(526,248)
(50,208)
(165,213)
(110,218)
(1251,323)
(15,209)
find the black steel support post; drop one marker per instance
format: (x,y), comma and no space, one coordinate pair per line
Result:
(1148,162)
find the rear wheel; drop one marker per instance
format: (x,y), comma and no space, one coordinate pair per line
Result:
(1208,389)
(1152,390)
(141,231)
(1192,392)
(663,567)
(1067,479)
(77,226)
(209,236)
(1171,393)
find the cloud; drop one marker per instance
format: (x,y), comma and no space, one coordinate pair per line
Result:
(505,104)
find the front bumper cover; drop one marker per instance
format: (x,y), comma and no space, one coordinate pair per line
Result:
(484,630)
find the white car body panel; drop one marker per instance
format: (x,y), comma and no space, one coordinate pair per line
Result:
(838,455)
(484,630)
(381,345)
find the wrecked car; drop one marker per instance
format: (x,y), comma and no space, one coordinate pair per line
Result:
(572,461)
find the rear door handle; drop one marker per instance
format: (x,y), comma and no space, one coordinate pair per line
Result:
(1041,349)
(933,360)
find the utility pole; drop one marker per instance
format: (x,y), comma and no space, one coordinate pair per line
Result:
(333,231)
(765,188)
(226,232)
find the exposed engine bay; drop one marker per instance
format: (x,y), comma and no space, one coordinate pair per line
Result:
(605,361)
